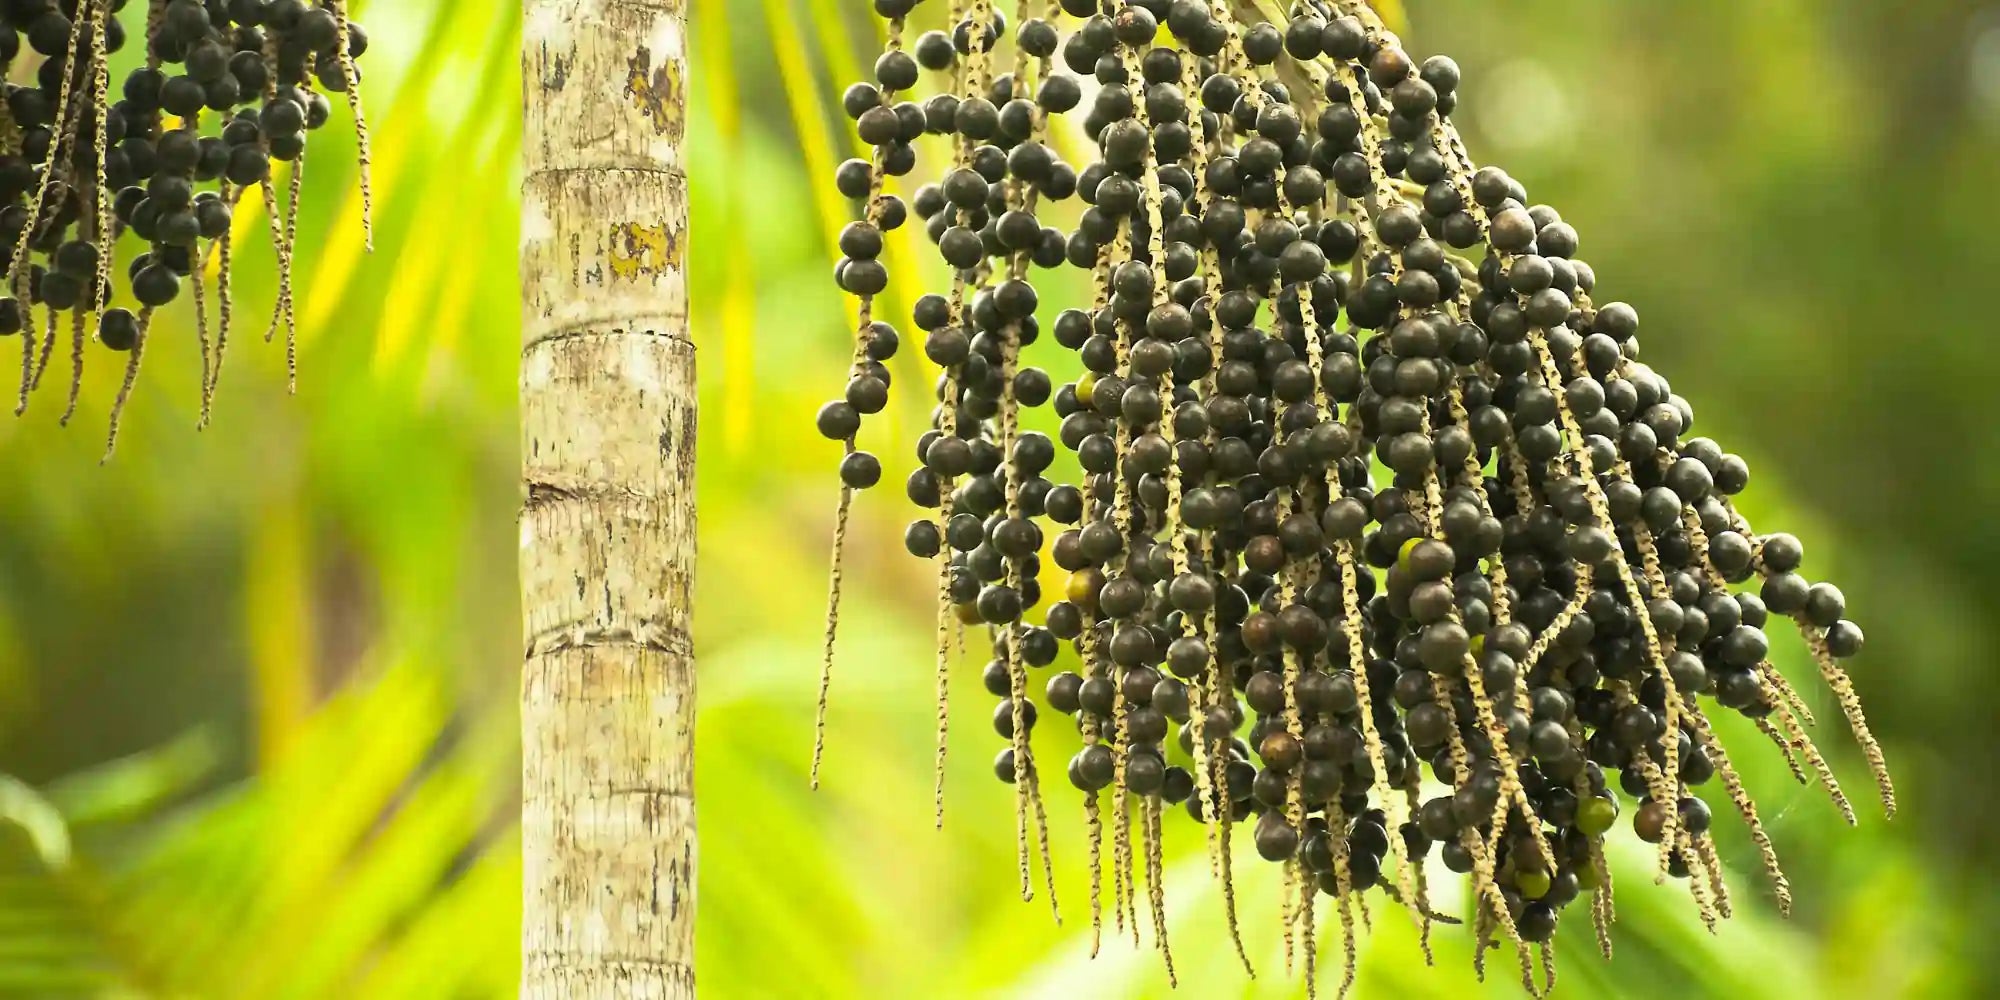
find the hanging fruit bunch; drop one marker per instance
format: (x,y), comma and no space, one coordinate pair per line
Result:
(1387,543)
(221,105)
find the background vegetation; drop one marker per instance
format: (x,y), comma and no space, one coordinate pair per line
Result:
(257,685)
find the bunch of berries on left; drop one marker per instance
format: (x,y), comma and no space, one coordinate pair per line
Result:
(221,104)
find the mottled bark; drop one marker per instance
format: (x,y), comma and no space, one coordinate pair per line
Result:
(608,530)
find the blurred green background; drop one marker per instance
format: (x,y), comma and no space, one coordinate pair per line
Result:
(260,681)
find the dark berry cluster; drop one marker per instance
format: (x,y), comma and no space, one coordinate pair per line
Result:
(227,88)
(1386,541)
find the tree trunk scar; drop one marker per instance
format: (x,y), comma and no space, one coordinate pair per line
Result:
(607,524)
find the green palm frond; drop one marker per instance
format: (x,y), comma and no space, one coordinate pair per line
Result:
(27,811)
(362,841)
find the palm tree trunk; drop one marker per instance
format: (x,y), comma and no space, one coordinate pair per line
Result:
(608,530)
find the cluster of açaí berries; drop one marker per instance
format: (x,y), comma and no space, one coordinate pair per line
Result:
(227,88)
(1533,610)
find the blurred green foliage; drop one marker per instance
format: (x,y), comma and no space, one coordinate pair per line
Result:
(264,675)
